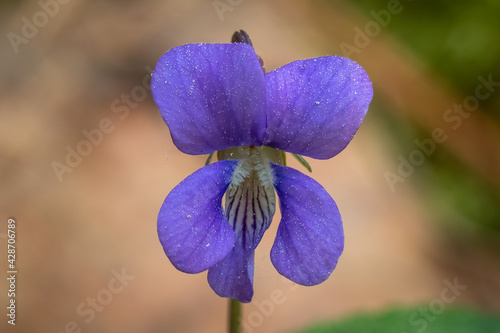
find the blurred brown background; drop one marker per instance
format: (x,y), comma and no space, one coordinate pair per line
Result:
(85,65)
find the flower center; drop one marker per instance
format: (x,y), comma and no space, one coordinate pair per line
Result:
(254,166)
(250,198)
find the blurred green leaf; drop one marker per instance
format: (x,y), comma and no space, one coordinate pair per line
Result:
(412,321)
(457,39)
(461,198)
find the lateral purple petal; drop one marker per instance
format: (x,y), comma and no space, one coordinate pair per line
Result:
(212,96)
(191,225)
(310,237)
(315,106)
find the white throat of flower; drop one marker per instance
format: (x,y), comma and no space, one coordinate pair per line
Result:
(250,198)
(257,162)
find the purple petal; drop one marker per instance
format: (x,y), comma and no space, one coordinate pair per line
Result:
(191,226)
(249,209)
(310,238)
(212,96)
(315,106)
(232,277)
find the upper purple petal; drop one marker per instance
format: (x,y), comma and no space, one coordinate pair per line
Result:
(212,96)
(191,225)
(315,106)
(310,238)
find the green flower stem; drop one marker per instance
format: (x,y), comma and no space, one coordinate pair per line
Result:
(234,316)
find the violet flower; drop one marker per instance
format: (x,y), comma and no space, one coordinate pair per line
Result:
(215,97)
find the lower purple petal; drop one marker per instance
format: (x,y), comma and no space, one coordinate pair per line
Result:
(310,237)
(250,207)
(191,225)
(232,277)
